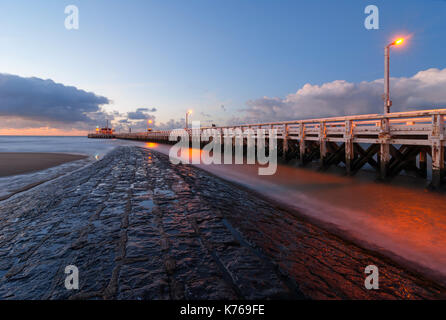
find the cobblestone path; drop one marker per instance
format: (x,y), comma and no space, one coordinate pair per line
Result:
(138,227)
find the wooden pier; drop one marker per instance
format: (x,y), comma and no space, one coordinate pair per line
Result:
(389,143)
(101,136)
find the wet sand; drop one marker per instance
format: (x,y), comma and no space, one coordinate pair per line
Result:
(14,163)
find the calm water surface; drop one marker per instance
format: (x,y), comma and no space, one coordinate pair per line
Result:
(95,149)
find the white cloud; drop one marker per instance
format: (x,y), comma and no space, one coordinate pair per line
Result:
(425,90)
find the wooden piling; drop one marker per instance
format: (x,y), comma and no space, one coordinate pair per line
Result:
(422,164)
(322,144)
(437,137)
(384,152)
(285,142)
(349,152)
(301,144)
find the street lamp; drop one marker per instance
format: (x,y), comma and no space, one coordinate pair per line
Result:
(149,122)
(187,118)
(387,101)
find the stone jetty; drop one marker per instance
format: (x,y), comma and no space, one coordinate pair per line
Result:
(138,227)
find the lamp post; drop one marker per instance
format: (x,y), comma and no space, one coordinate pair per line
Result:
(149,122)
(387,101)
(187,118)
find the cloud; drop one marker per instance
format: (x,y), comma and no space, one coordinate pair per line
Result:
(171,124)
(141,113)
(35,102)
(141,125)
(137,121)
(425,90)
(206,115)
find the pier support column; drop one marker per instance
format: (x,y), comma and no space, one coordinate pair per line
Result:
(437,137)
(285,142)
(322,144)
(323,152)
(423,164)
(302,144)
(384,159)
(349,151)
(384,151)
(437,164)
(302,152)
(349,156)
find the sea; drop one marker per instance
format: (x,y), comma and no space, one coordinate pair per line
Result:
(95,149)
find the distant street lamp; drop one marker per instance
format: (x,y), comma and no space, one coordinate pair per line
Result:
(149,122)
(187,118)
(387,101)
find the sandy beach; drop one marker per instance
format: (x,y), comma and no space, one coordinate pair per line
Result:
(13,163)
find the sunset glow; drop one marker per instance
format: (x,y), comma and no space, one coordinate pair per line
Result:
(44,131)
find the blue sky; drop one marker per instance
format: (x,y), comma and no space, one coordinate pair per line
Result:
(176,55)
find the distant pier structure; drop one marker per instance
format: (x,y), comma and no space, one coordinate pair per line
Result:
(390,143)
(103,133)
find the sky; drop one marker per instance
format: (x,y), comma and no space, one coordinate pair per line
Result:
(229,61)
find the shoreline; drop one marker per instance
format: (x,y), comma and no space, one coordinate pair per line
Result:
(17,163)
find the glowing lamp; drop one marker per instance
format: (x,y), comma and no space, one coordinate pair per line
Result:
(399,41)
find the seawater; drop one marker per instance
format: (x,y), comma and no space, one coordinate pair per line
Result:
(95,149)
